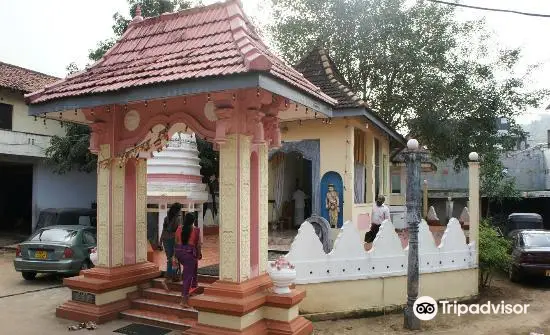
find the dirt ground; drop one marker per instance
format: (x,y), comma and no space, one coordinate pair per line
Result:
(536,293)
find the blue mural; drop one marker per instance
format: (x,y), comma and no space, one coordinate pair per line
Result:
(335,179)
(310,150)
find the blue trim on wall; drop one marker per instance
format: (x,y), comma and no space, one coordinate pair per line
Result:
(182,88)
(332,177)
(311,150)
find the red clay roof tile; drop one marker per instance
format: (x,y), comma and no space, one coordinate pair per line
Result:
(216,40)
(21,79)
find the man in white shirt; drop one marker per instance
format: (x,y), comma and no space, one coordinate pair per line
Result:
(299,198)
(380,212)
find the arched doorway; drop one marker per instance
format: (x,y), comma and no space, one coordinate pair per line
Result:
(332,178)
(287,171)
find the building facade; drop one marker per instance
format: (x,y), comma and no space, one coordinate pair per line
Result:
(28,184)
(349,153)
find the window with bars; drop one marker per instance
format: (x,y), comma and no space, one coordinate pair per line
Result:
(360,173)
(396,182)
(376,168)
(6,116)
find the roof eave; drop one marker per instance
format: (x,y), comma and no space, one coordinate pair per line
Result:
(362,111)
(182,88)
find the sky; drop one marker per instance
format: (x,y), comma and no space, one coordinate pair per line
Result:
(47,35)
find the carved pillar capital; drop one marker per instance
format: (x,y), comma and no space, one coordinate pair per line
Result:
(223,124)
(256,126)
(272,131)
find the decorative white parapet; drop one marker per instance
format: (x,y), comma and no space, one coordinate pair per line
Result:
(348,260)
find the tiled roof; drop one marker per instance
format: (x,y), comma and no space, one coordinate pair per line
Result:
(21,79)
(319,68)
(216,40)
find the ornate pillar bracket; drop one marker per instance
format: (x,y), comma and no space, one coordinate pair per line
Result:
(256,126)
(272,131)
(223,124)
(97,132)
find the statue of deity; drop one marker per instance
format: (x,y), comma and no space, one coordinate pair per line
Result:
(333,205)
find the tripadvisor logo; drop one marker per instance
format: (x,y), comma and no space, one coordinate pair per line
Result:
(426,308)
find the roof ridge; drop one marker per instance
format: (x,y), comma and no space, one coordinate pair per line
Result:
(29,70)
(326,63)
(254,58)
(183,12)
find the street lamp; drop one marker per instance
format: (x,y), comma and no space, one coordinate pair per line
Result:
(413,159)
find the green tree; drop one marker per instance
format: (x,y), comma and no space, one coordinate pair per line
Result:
(496,184)
(418,67)
(494,252)
(71,151)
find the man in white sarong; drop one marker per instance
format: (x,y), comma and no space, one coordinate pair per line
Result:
(299,198)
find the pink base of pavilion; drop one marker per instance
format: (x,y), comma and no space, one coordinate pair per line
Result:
(100,294)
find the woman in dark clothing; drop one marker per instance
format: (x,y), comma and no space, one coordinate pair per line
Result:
(187,256)
(171,223)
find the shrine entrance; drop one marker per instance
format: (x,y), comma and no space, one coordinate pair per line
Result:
(204,69)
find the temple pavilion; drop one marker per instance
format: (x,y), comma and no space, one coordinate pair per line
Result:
(205,69)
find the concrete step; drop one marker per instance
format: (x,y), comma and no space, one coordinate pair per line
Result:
(163,320)
(176,286)
(165,308)
(161,294)
(206,279)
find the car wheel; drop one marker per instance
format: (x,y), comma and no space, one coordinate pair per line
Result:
(514,275)
(28,275)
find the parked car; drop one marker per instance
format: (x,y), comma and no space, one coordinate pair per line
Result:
(519,221)
(67,216)
(56,249)
(530,254)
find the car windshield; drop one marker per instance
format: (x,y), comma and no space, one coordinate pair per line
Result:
(536,240)
(54,235)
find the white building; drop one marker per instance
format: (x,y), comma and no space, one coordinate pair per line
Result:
(28,185)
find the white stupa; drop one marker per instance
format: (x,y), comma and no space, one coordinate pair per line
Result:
(173,175)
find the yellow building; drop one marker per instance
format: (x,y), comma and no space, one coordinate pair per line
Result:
(350,151)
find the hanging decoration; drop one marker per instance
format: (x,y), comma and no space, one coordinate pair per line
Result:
(133,153)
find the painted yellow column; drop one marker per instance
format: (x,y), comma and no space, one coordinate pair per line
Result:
(141,210)
(117,212)
(235,208)
(370,167)
(349,168)
(103,206)
(264,208)
(473,208)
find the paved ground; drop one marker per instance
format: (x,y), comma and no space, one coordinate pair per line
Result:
(29,308)
(537,320)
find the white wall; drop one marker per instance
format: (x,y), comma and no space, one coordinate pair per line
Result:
(50,190)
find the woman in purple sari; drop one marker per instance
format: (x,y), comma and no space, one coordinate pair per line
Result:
(187,256)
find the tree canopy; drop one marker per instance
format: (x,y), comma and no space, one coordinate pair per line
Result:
(417,66)
(71,151)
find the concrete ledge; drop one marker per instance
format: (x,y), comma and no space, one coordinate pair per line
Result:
(383,294)
(374,312)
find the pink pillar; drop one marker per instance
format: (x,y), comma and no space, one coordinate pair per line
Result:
(130,186)
(254,215)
